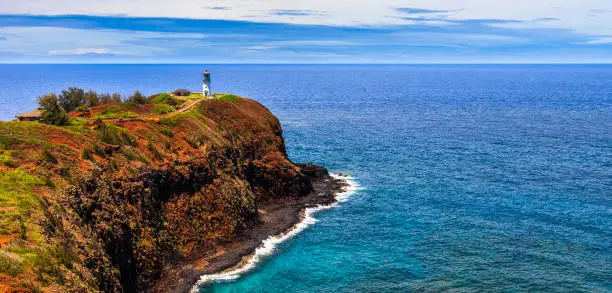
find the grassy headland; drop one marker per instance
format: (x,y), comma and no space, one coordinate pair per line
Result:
(121,190)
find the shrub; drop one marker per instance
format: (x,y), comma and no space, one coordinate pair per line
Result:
(72,98)
(138,98)
(167,132)
(87,154)
(91,99)
(99,151)
(52,112)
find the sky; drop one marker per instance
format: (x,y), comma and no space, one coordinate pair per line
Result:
(314,31)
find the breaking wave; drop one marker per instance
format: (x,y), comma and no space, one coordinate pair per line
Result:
(268,245)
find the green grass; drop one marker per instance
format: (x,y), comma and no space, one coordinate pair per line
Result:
(14,134)
(161,98)
(6,158)
(117,111)
(18,202)
(22,249)
(167,99)
(228,98)
(7,140)
(196,96)
(159,109)
(78,124)
(133,154)
(48,156)
(115,135)
(173,119)
(10,266)
(118,115)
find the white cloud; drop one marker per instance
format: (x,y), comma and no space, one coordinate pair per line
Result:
(579,15)
(458,39)
(314,43)
(600,41)
(85,51)
(44,41)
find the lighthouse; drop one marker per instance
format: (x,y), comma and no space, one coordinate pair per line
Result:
(206,92)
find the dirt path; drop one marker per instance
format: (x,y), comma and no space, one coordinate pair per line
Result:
(188,106)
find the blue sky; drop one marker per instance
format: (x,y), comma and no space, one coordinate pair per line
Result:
(317,31)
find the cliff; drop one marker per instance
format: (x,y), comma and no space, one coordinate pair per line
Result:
(141,203)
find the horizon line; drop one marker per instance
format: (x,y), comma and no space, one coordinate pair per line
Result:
(307,63)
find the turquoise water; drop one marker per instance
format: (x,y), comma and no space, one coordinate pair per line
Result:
(492,178)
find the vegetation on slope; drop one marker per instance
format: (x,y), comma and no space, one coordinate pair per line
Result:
(107,204)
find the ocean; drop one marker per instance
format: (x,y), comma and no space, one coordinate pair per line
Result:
(473,178)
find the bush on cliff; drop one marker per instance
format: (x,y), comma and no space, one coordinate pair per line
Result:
(52,112)
(72,98)
(92,98)
(138,98)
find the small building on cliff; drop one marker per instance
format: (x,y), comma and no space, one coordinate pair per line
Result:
(35,115)
(181,93)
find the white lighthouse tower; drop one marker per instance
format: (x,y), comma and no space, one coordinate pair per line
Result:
(206,92)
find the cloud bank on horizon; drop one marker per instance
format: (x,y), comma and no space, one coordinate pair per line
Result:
(317,31)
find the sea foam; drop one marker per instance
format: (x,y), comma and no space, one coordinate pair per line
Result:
(268,245)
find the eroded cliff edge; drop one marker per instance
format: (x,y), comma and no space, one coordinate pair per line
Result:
(127,205)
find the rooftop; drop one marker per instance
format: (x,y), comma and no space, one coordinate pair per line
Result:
(31,114)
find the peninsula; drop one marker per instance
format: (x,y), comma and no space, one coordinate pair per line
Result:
(144,194)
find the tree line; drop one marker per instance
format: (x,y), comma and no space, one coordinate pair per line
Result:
(55,108)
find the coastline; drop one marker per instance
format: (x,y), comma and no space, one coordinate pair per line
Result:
(278,221)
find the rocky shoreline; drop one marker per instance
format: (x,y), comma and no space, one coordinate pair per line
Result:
(275,217)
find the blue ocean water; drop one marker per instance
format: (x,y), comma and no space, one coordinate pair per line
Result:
(477,178)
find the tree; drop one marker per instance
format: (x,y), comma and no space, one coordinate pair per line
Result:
(91,98)
(105,99)
(72,98)
(116,98)
(110,99)
(138,98)
(52,112)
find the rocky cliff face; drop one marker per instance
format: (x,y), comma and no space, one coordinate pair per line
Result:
(113,203)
